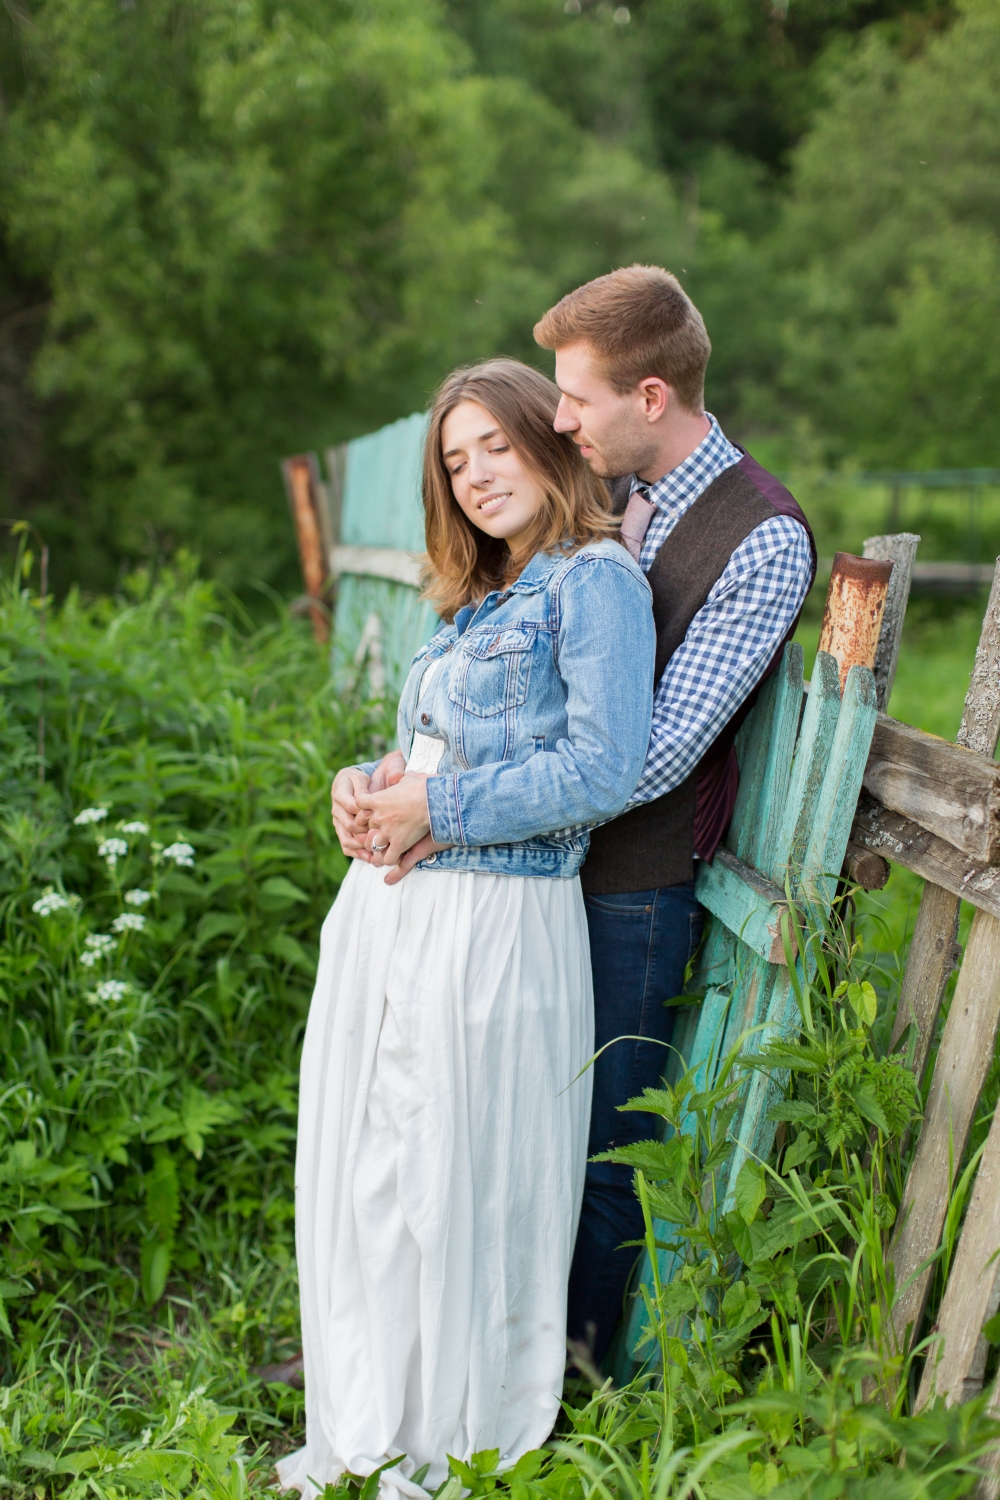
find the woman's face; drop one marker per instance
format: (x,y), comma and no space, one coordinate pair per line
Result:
(491,483)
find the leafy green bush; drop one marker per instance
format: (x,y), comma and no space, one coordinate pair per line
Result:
(161,894)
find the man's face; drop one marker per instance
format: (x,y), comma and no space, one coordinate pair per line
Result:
(612,432)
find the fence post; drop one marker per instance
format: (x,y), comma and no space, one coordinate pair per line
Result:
(966,1046)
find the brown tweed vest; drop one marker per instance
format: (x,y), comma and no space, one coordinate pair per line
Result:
(655,844)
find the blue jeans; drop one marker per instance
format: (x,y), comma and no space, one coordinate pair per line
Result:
(640,944)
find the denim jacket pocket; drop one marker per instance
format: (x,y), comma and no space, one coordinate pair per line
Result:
(492,672)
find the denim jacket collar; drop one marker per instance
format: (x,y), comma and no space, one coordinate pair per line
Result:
(532,580)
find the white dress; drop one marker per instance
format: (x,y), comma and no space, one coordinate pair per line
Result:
(441,1153)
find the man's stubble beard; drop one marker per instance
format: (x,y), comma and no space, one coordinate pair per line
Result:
(615,459)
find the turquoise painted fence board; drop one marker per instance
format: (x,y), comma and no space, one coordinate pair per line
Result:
(801,768)
(381,503)
(381,507)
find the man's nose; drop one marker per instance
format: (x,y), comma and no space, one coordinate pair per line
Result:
(565,418)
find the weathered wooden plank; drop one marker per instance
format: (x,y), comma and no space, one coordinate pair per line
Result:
(980,727)
(829,818)
(749,904)
(933,955)
(905,842)
(949,790)
(900,550)
(831,822)
(959,1073)
(768,736)
(819,723)
(390,563)
(956,1368)
(777,759)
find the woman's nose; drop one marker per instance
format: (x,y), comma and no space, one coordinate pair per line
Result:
(480,473)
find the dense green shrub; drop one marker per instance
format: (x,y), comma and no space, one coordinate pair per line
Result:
(161,895)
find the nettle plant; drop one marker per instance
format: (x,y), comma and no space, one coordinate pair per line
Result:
(111,984)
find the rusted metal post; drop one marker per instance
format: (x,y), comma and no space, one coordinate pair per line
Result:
(307,502)
(855,602)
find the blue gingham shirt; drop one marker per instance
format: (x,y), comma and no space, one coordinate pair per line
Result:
(733,637)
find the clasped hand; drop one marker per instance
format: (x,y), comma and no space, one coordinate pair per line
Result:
(383,819)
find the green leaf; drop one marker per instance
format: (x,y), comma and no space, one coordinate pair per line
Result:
(750,1189)
(278,890)
(801,1150)
(991,1329)
(154,1268)
(864,1002)
(162,1196)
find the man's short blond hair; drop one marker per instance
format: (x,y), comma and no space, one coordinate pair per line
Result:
(639,321)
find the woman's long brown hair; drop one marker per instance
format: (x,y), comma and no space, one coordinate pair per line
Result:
(464,563)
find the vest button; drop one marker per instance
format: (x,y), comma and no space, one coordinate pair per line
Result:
(425,718)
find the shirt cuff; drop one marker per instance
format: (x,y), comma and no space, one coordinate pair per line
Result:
(443,809)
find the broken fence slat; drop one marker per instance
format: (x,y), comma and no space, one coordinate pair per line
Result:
(955,1367)
(980,727)
(959,1073)
(901,551)
(746,901)
(933,955)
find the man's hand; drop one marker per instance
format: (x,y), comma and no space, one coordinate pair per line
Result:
(347,786)
(413,856)
(397,818)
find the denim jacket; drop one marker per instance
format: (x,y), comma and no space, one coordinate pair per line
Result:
(544,709)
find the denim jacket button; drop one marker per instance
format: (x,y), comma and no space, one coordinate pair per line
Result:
(431,859)
(425,718)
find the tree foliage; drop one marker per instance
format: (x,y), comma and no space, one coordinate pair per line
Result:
(261,229)
(893,231)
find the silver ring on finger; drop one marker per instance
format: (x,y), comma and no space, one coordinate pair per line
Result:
(379,848)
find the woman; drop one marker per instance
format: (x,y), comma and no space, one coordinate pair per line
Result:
(442,1122)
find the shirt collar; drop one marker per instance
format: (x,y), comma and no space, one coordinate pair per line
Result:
(682,486)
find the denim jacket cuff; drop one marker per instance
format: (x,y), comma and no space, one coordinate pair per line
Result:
(442,806)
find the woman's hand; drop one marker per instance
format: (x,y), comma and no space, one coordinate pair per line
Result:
(397,818)
(351,828)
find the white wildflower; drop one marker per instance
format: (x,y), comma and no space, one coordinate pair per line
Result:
(98,945)
(129,921)
(111,989)
(112,850)
(137,828)
(138,897)
(50,902)
(91,815)
(147,1436)
(181,854)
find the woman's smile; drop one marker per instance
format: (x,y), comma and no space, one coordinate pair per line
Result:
(492,503)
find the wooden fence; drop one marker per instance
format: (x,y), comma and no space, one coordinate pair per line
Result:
(828,783)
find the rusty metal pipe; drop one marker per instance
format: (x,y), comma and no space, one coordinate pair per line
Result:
(855,603)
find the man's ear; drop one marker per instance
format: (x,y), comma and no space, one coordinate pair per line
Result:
(656,397)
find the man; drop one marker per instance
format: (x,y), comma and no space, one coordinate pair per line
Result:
(730,559)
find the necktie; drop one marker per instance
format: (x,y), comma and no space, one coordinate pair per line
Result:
(635,522)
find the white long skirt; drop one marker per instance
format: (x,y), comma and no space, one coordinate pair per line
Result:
(441,1154)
